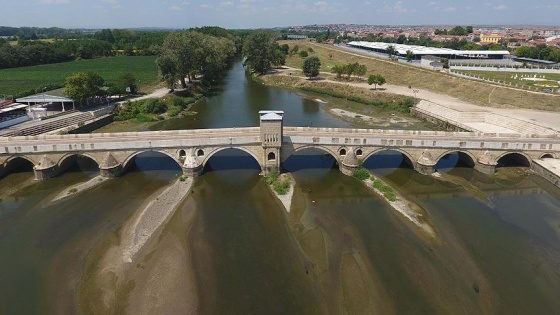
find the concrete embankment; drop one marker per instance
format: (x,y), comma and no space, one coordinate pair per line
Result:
(548,169)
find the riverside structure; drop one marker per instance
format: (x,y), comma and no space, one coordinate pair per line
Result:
(271,144)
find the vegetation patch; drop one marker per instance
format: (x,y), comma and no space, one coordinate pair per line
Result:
(387,191)
(280,186)
(151,109)
(361,173)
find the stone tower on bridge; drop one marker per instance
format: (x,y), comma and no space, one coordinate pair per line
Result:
(271,126)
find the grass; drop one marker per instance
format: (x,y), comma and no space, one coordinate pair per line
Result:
(281,187)
(18,80)
(385,189)
(552,78)
(402,74)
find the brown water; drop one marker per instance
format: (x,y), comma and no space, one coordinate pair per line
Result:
(341,249)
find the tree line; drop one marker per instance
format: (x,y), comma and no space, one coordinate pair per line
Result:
(541,51)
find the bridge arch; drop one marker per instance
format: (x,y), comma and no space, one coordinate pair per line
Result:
(406,156)
(131,157)
(208,154)
(334,154)
(16,163)
(547,156)
(13,158)
(515,158)
(64,160)
(464,156)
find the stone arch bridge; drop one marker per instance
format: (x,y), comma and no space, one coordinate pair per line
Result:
(270,145)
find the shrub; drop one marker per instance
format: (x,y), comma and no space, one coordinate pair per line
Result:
(281,187)
(303,54)
(361,173)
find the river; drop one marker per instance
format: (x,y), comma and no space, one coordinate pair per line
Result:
(230,248)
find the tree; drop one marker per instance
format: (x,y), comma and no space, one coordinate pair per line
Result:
(338,70)
(376,79)
(469,29)
(260,51)
(167,70)
(409,55)
(82,85)
(303,54)
(126,83)
(391,51)
(311,67)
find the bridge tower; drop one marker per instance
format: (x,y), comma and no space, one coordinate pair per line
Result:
(271,138)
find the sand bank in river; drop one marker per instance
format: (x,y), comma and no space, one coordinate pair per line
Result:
(408,209)
(81,187)
(140,269)
(286,199)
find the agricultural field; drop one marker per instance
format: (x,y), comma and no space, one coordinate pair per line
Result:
(402,74)
(529,79)
(18,80)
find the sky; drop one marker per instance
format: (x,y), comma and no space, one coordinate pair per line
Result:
(273,13)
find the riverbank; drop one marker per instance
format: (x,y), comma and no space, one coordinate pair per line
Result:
(121,273)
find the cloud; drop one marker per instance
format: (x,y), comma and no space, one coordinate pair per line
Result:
(175,8)
(399,7)
(226,3)
(54,1)
(450,9)
(500,7)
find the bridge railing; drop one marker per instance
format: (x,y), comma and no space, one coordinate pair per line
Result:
(341,132)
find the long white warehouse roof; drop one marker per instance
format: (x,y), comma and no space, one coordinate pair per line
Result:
(401,49)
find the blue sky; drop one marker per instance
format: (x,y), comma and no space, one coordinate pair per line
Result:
(270,13)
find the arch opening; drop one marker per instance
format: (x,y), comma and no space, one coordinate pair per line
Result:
(182,153)
(271,156)
(513,160)
(342,152)
(309,158)
(76,163)
(385,162)
(547,156)
(200,152)
(16,165)
(231,159)
(453,160)
(155,163)
(359,152)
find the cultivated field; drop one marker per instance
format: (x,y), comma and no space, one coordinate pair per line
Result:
(402,74)
(18,80)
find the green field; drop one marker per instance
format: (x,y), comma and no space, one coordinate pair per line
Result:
(516,77)
(18,80)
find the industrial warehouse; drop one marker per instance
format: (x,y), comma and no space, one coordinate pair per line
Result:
(421,51)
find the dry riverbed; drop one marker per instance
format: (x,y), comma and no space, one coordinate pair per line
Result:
(141,267)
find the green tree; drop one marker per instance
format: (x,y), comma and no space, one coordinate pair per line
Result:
(260,51)
(376,79)
(338,70)
(126,83)
(81,86)
(469,29)
(409,55)
(167,70)
(311,67)
(303,54)
(391,51)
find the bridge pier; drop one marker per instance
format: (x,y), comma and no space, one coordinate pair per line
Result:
(45,169)
(486,164)
(350,163)
(192,167)
(425,164)
(110,167)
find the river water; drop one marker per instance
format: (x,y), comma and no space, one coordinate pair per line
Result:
(340,250)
